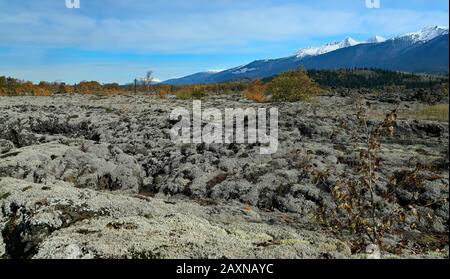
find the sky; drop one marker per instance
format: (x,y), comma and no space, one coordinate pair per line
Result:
(119,40)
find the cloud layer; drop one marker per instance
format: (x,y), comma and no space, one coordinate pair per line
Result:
(147,26)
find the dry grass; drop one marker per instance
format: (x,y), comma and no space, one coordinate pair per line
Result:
(436,112)
(433,113)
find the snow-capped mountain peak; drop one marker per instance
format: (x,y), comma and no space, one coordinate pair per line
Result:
(314,51)
(375,40)
(426,34)
(348,42)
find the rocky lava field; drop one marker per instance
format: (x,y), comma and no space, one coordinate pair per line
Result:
(85,176)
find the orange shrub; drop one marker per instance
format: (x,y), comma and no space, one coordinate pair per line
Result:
(42,92)
(162,91)
(3,92)
(256,91)
(161,94)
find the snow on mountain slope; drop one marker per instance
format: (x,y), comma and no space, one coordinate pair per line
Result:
(214,71)
(244,70)
(424,35)
(375,40)
(347,42)
(314,51)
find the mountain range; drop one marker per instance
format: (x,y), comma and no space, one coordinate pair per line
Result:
(424,51)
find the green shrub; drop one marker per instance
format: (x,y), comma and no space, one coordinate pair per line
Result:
(293,86)
(183,94)
(191,92)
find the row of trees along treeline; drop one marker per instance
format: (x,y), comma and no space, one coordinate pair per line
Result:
(15,87)
(368,78)
(284,87)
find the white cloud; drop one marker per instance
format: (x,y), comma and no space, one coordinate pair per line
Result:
(199,32)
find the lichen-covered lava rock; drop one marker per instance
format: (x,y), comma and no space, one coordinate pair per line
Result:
(99,177)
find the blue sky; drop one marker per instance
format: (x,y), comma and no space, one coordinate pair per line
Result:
(118,40)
